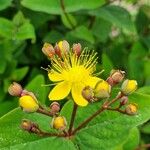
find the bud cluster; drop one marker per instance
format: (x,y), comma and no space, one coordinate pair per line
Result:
(60,49)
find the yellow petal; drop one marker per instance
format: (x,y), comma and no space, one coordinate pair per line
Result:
(55,76)
(60,91)
(92,81)
(77,94)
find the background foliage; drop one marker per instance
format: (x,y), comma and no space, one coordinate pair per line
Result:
(118,30)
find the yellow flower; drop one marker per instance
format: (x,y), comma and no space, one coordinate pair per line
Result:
(28,103)
(72,74)
(129,86)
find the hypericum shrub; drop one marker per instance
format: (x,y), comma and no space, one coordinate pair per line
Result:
(73,72)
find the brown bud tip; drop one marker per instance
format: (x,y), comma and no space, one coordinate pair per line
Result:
(117,76)
(48,50)
(88,93)
(110,81)
(123,100)
(77,49)
(55,107)
(29,126)
(15,89)
(131,109)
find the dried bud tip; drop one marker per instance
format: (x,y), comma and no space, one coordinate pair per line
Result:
(59,123)
(15,89)
(116,76)
(28,125)
(48,50)
(123,100)
(131,109)
(77,49)
(55,108)
(88,94)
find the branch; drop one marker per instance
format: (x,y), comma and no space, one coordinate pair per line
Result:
(72,117)
(66,15)
(104,107)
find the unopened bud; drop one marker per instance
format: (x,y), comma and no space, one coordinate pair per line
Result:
(117,75)
(102,89)
(15,89)
(59,123)
(55,107)
(77,49)
(123,100)
(88,93)
(129,86)
(48,50)
(62,48)
(29,126)
(28,103)
(131,109)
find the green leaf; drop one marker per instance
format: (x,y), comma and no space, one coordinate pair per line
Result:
(6,106)
(4,4)
(19,74)
(12,137)
(110,128)
(133,140)
(54,6)
(101,29)
(136,67)
(69,21)
(107,64)
(6,28)
(36,87)
(117,16)
(146,128)
(24,29)
(83,33)
(144,90)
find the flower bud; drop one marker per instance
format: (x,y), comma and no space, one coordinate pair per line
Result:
(131,109)
(28,103)
(48,50)
(55,107)
(77,49)
(123,100)
(62,48)
(29,126)
(59,123)
(15,89)
(102,89)
(128,86)
(88,93)
(117,75)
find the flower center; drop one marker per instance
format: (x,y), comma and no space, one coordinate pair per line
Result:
(76,74)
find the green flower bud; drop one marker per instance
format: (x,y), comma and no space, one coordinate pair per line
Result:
(28,103)
(128,86)
(102,89)
(59,123)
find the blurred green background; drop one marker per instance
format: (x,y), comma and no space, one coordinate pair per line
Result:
(119,30)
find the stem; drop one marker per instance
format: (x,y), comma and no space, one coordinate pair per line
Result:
(104,107)
(66,15)
(43,133)
(45,112)
(72,117)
